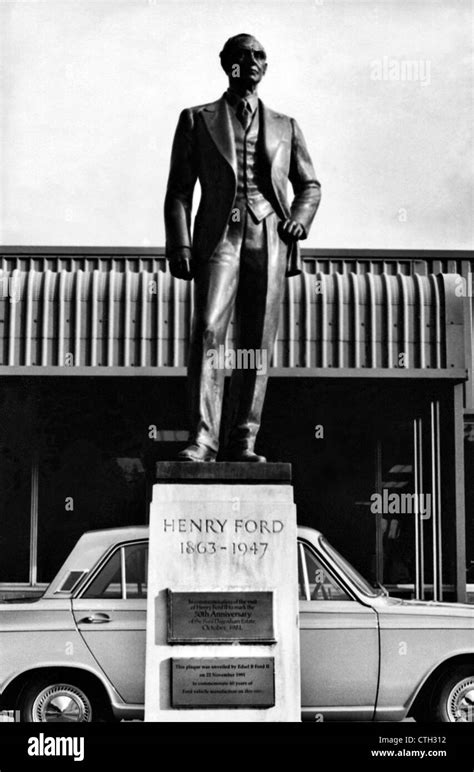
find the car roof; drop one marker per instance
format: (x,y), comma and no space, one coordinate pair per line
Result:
(91,546)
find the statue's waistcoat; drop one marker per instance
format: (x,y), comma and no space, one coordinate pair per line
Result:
(250,171)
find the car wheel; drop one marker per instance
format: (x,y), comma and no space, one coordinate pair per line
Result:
(50,699)
(453,700)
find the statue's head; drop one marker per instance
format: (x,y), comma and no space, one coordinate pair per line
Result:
(244,60)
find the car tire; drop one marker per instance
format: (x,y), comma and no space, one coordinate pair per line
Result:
(453,698)
(59,699)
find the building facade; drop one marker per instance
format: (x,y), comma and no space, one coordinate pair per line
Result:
(370,398)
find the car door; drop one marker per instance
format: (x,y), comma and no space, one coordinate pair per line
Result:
(110,615)
(339,645)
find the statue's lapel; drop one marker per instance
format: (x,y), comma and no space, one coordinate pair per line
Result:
(273,128)
(218,121)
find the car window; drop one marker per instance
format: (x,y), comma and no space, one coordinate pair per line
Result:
(123,576)
(72,580)
(314,582)
(136,570)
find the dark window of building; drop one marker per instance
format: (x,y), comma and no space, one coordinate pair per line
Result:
(16,452)
(469,471)
(78,454)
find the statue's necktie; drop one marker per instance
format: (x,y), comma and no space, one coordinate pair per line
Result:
(244,114)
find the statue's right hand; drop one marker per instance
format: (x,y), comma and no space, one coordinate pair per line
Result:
(180,264)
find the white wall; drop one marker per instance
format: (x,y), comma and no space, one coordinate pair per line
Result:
(92,90)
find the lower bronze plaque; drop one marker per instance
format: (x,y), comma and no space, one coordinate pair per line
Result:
(240,682)
(220,617)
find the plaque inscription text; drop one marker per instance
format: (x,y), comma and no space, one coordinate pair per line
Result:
(197,617)
(236,682)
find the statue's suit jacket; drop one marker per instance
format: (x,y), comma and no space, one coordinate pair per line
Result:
(204,149)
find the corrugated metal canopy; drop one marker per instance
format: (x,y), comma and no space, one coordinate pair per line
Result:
(116,319)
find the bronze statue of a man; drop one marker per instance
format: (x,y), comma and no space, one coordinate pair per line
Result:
(244,241)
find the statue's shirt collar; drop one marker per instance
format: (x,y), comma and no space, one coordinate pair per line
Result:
(233,99)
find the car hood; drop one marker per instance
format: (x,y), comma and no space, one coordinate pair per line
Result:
(424,607)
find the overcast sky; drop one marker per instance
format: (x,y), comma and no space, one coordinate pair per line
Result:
(92,90)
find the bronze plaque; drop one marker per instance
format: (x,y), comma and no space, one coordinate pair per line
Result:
(220,617)
(214,682)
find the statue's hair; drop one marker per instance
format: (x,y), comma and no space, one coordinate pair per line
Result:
(229,49)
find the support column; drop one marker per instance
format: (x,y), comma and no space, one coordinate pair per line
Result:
(459,493)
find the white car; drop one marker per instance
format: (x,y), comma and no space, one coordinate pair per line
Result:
(78,652)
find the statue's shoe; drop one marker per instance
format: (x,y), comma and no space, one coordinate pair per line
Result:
(244,454)
(196,452)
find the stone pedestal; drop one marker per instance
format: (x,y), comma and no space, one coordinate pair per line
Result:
(222,618)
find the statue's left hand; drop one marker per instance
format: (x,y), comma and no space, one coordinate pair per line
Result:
(292,229)
(180,264)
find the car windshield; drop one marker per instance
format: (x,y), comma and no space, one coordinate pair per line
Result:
(349,570)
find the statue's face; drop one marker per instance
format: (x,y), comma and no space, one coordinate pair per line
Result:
(248,61)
